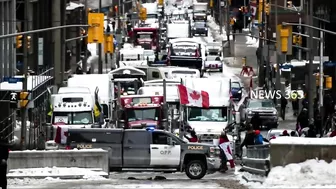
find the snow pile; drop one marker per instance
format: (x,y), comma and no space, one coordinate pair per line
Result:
(309,174)
(252,42)
(215,30)
(304,141)
(55,172)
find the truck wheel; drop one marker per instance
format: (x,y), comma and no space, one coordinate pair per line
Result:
(195,169)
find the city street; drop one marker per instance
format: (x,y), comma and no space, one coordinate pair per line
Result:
(127,180)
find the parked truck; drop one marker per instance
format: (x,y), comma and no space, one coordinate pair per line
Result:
(148,150)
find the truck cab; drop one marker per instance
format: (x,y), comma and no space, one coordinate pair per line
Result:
(148,150)
(146,37)
(139,111)
(71,110)
(210,122)
(131,56)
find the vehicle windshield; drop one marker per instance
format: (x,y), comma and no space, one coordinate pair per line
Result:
(144,36)
(143,114)
(261,104)
(73,118)
(235,85)
(210,114)
(200,24)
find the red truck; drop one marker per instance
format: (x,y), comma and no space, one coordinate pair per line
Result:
(146,37)
(140,111)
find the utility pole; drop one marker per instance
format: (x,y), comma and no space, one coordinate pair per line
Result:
(321,76)
(262,76)
(277,57)
(119,20)
(228,25)
(100,62)
(266,36)
(84,61)
(311,79)
(25,72)
(220,18)
(300,31)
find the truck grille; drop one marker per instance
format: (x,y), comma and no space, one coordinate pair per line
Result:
(266,113)
(208,138)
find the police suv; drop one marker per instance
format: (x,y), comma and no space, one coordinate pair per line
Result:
(148,150)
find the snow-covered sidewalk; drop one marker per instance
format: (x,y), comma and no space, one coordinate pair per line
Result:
(215,30)
(57,172)
(309,174)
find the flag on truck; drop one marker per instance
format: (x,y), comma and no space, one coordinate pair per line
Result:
(192,97)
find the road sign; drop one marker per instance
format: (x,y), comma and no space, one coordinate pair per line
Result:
(13,100)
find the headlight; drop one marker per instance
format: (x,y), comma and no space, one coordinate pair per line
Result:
(275,112)
(249,112)
(239,91)
(206,28)
(234,138)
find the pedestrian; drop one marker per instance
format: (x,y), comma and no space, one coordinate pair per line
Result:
(113,24)
(193,137)
(311,132)
(225,152)
(256,121)
(285,133)
(302,119)
(283,106)
(249,137)
(258,138)
(293,134)
(295,104)
(4,153)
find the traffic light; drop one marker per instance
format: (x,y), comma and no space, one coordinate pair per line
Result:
(96,28)
(210,3)
(116,8)
(260,11)
(328,82)
(299,40)
(143,14)
(28,42)
(267,8)
(108,45)
(317,79)
(23,99)
(295,39)
(284,39)
(19,41)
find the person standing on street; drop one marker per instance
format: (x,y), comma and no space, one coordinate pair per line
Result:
(256,121)
(283,106)
(225,153)
(4,153)
(295,105)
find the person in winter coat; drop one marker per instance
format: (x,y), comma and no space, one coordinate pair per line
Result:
(256,121)
(249,137)
(302,119)
(283,107)
(224,159)
(4,153)
(193,137)
(259,139)
(295,105)
(311,132)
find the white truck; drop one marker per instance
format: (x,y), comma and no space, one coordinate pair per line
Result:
(70,109)
(168,72)
(213,50)
(178,29)
(105,87)
(131,56)
(209,122)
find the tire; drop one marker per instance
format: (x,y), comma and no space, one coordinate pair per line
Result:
(198,164)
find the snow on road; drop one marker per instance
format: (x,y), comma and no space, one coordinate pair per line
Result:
(309,174)
(55,172)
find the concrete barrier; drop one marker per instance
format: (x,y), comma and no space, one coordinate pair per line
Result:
(93,159)
(287,150)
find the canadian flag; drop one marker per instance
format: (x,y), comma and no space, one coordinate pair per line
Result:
(192,97)
(61,135)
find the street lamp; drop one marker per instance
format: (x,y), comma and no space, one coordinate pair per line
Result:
(290,5)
